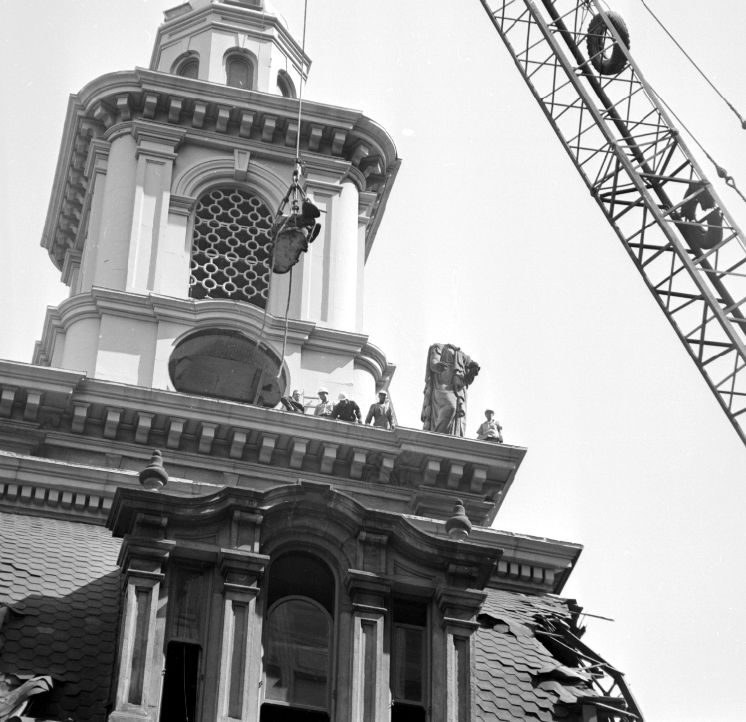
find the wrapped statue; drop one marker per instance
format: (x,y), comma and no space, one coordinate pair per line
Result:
(449,373)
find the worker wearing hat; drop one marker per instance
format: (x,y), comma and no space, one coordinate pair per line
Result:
(347,410)
(381,413)
(324,407)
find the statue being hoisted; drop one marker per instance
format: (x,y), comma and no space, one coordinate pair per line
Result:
(449,373)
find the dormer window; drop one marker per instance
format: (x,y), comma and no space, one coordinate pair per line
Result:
(187,65)
(239,72)
(285,85)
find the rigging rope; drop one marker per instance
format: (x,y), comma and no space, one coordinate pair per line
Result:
(722,173)
(699,70)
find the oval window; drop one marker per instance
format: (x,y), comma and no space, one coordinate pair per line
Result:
(227,365)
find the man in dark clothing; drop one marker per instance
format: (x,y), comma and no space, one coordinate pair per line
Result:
(347,410)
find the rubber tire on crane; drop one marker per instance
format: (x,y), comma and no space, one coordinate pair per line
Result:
(597,33)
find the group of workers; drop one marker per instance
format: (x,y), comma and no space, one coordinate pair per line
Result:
(380,414)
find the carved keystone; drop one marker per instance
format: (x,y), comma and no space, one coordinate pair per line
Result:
(240,164)
(478,477)
(268,128)
(455,473)
(221,122)
(198,115)
(314,138)
(430,471)
(244,126)
(149,105)
(80,414)
(143,423)
(357,462)
(291,133)
(111,422)
(175,430)
(33,402)
(298,448)
(7,397)
(387,466)
(328,457)
(238,442)
(175,106)
(206,437)
(266,447)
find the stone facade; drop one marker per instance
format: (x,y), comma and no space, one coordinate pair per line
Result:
(294,567)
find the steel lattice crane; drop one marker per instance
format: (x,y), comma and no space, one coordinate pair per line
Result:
(575,58)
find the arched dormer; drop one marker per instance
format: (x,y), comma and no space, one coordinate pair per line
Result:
(240,69)
(187,65)
(231,38)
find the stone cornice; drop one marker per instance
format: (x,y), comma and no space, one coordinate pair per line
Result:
(221,437)
(337,140)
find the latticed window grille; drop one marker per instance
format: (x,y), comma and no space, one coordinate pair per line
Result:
(231,247)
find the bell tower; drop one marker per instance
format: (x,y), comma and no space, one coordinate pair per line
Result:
(160,218)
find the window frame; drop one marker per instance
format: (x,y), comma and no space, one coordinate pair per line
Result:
(425,677)
(237,56)
(285,81)
(330,663)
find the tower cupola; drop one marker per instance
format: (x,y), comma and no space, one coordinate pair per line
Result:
(239,43)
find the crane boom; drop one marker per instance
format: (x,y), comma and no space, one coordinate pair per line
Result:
(686,245)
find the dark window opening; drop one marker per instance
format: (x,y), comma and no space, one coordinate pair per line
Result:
(285,85)
(190,69)
(303,575)
(407,713)
(409,660)
(239,73)
(179,701)
(273,713)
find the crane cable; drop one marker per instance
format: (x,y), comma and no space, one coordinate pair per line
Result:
(722,172)
(297,169)
(296,176)
(699,70)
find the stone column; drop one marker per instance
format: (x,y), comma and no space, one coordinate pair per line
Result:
(96,168)
(459,608)
(138,677)
(240,661)
(156,145)
(343,266)
(369,693)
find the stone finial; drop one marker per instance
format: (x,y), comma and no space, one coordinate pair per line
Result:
(154,476)
(458,526)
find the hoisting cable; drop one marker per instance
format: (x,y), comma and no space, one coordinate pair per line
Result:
(722,172)
(291,196)
(699,70)
(296,179)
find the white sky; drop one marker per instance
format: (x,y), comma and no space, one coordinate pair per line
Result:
(492,242)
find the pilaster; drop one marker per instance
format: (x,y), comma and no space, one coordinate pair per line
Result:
(240,665)
(155,153)
(459,609)
(369,697)
(142,562)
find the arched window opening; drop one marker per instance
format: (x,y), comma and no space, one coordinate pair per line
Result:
(189,68)
(285,85)
(238,72)
(231,247)
(298,648)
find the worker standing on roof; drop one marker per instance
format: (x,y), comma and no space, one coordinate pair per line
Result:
(347,410)
(381,413)
(324,407)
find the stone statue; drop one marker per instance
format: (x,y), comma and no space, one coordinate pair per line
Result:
(449,373)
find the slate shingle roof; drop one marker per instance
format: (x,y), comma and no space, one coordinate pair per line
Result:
(61,580)
(517,678)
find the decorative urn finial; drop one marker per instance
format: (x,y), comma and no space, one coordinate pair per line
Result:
(458,526)
(154,476)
